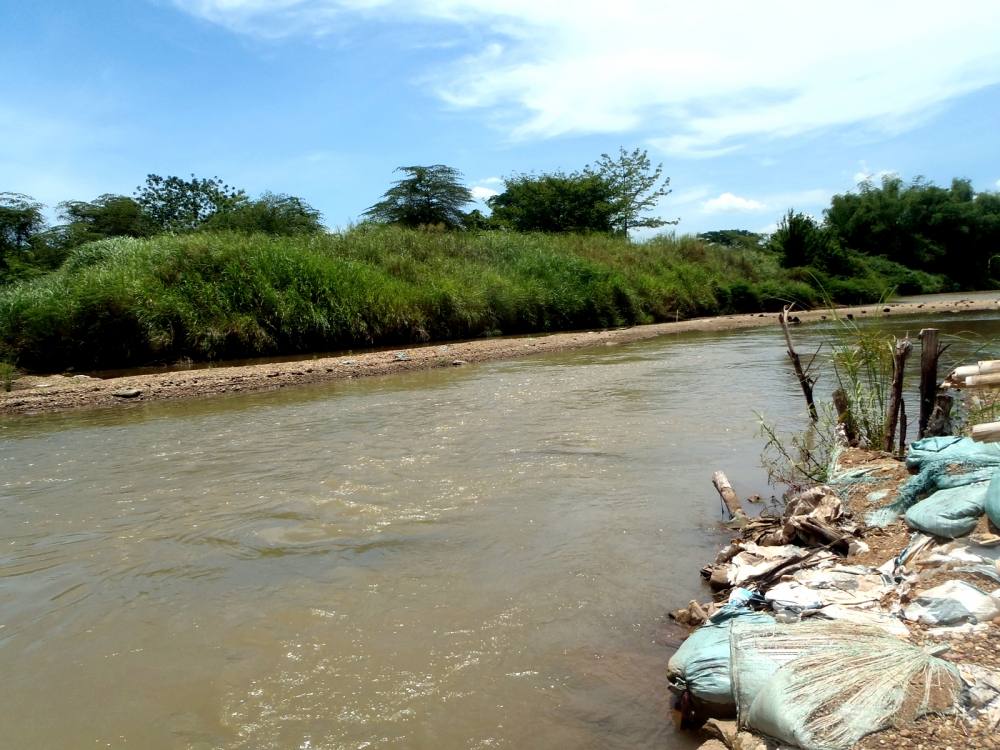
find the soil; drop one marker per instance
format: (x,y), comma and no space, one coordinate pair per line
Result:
(39,394)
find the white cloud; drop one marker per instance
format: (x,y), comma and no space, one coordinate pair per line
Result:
(701,79)
(730,202)
(868,175)
(481,193)
(998,183)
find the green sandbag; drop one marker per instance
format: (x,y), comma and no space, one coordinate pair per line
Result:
(992,501)
(949,513)
(701,666)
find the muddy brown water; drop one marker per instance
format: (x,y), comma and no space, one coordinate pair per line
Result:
(473,558)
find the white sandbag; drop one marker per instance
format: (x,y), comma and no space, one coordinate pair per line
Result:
(952,603)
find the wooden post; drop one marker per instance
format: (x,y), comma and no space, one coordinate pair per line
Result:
(727,493)
(930,351)
(902,427)
(983,381)
(805,381)
(903,347)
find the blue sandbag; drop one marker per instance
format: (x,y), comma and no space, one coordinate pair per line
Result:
(701,666)
(949,513)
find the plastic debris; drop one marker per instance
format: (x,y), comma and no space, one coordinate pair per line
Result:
(824,686)
(952,603)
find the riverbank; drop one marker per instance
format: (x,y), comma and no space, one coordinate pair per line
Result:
(52,393)
(832,577)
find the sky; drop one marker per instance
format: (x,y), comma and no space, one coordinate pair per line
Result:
(752,108)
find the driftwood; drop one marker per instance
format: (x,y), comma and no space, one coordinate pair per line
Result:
(899,356)
(990,380)
(940,419)
(845,418)
(728,495)
(930,353)
(806,382)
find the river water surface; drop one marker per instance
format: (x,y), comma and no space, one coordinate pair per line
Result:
(472,558)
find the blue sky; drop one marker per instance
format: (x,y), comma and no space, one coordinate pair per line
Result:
(753,108)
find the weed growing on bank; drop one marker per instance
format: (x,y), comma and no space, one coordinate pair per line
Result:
(204,296)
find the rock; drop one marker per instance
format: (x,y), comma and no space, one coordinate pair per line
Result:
(712,745)
(722,731)
(402,357)
(127,393)
(458,362)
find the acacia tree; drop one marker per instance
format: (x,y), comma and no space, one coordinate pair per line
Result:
(174,204)
(427,196)
(108,215)
(636,188)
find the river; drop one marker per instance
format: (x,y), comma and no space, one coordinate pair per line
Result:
(471,558)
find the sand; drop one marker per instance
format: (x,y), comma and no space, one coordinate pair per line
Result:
(35,394)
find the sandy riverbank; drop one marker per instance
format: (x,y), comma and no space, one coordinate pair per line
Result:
(39,394)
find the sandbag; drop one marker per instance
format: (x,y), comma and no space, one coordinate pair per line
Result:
(701,666)
(991,503)
(949,513)
(824,686)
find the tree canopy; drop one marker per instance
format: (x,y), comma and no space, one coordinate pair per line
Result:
(427,196)
(554,202)
(636,187)
(106,216)
(174,204)
(21,219)
(271,213)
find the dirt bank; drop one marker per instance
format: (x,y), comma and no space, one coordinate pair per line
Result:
(38,394)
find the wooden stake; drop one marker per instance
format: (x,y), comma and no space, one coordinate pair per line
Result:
(902,427)
(805,381)
(903,347)
(940,421)
(930,351)
(727,493)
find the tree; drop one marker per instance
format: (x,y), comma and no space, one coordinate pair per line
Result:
(428,196)
(106,216)
(174,204)
(271,213)
(743,239)
(21,221)
(634,185)
(554,202)
(800,241)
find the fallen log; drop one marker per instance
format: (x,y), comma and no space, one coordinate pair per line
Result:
(986,433)
(728,494)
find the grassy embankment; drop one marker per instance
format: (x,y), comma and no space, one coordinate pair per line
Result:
(125,302)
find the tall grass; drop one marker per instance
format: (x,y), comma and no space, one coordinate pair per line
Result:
(126,301)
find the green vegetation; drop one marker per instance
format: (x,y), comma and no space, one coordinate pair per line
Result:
(208,295)
(554,202)
(8,374)
(196,268)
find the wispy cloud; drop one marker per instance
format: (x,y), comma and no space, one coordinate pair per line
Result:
(706,86)
(729,202)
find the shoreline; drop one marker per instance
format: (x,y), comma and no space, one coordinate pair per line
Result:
(34,394)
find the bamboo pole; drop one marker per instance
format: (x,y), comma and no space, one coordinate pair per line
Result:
(983,381)
(805,382)
(899,356)
(986,433)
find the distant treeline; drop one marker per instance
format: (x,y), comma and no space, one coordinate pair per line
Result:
(196,268)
